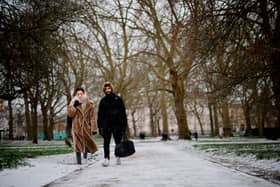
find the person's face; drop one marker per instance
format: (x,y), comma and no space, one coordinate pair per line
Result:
(80,94)
(108,90)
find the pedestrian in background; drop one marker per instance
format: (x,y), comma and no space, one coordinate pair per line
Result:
(82,112)
(111,120)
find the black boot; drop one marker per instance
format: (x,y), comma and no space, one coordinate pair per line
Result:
(85,155)
(79,158)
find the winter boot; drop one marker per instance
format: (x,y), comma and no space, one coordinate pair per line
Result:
(85,155)
(79,158)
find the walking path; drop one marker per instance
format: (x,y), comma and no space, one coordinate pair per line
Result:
(160,164)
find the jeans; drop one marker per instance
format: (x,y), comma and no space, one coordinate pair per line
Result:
(117,135)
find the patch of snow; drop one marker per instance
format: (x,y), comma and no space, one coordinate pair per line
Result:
(40,171)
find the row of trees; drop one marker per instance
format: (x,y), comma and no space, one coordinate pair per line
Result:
(158,54)
(31,47)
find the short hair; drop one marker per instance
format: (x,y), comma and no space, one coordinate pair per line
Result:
(79,89)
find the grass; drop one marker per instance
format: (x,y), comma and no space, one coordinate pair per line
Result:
(14,156)
(259,150)
(14,153)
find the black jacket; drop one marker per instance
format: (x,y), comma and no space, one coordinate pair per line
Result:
(111,114)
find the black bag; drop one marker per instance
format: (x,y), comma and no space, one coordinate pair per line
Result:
(125,148)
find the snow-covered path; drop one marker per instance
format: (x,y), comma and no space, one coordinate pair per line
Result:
(160,164)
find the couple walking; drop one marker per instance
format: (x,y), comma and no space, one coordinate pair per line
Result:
(111,120)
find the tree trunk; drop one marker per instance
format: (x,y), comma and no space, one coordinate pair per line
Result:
(134,123)
(200,124)
(51,123)
(34,116)
(152,122)
(34,124)
(276,89)
(158,126)
(164,114)
(247,114)
(11,119)
(261,125)
(227,128)
(197,115)
(180,112)
(216,120)
(45,122)
(272,35)
(27,119)
(211,118)
(276,85)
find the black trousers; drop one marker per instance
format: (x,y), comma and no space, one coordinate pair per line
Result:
(117,135)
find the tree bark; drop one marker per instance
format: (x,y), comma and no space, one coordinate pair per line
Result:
(11,119)
(51,123)
(227,128)
(247,114)
(27,118)
(134,123)
(276,83)
(211,118)
(34,114)
(34,124)
(152,121)
(164,114)
(216,120)
(180,112)
(45,122)
(200,124)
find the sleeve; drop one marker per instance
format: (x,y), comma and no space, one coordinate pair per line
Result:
(93,120)
(71,111)
(100,116)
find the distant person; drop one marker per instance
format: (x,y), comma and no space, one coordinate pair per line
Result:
(111,120)
(82,112)
(195,134)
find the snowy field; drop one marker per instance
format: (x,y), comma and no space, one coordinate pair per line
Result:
(155,163)
(266,168)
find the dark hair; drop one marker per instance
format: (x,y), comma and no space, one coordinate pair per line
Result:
(79,89)
(107,84)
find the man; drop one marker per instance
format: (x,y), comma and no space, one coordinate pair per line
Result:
(82,112)
(111,120)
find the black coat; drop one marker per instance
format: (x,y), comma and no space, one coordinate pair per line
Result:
(111,114)
(69,126)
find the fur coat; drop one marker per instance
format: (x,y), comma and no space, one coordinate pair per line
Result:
(83,124)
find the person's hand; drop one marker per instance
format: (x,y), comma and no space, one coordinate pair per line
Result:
(76,103)
(94,133)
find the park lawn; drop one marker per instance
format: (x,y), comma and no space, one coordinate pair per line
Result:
(259,150)
(13,156)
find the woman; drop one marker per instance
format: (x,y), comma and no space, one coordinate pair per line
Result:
(82,112)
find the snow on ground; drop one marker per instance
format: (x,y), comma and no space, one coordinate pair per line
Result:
(40,171)
(155,163)
(161,164)
(267,169)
